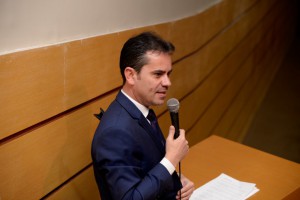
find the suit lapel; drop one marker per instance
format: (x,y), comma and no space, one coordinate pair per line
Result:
(148,128)
(135,113)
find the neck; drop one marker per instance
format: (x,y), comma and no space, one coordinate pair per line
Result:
(127,89)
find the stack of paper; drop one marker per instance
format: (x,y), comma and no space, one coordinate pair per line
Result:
(224,187)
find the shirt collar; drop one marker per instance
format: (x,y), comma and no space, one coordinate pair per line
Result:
(141,107)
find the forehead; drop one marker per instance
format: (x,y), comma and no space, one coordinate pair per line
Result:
(157,53)
(159,59)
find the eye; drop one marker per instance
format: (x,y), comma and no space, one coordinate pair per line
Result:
(158,74)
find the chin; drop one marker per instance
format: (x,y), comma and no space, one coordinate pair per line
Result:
(159,102)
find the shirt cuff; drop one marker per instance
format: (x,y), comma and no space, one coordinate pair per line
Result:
(168,165)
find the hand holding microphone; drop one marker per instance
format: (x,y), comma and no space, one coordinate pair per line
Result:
(177,146)
(176,149)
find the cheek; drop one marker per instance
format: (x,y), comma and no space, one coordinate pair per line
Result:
(149,85)
(152,87)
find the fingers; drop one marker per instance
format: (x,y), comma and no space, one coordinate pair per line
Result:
(185,195)
(176,149)
(181,140)
(187,147)
(171,132)
(186,191)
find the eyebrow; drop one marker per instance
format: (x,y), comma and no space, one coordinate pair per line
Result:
(162,71)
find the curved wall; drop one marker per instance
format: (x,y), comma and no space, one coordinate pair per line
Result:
(225,58)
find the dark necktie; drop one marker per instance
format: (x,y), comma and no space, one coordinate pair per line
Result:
(153,121)
(152,118)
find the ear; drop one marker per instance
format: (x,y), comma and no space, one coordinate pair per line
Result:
(130,75)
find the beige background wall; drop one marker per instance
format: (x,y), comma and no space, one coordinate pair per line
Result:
(225,59)
(33,23)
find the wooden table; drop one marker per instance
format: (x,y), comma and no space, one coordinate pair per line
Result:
(275,177)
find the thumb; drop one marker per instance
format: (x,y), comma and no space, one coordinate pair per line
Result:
(171,131)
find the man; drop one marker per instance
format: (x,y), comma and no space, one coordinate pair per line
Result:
(131,159)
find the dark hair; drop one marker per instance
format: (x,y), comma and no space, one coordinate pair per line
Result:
(134,50)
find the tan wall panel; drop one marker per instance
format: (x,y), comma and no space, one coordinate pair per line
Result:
(36,163)
(229,117)
(53,79)
(238,130)
(81,187)
(215,111)
(31,81)
(264,74)
(223,128)
(205,25)
(263,33)
(198,103)
(91,68)
(278,42)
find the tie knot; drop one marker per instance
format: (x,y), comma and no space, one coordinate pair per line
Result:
(151,116)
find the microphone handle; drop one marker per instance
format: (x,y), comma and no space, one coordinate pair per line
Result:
(175,123)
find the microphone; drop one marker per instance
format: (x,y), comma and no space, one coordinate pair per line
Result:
(173,106)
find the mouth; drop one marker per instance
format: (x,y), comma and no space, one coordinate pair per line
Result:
(162,93)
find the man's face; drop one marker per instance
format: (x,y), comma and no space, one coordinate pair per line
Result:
(151,84)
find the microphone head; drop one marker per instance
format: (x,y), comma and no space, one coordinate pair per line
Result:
(173,105)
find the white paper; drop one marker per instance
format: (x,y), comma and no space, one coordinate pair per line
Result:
(224,187)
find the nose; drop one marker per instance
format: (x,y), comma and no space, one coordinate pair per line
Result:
(166,81)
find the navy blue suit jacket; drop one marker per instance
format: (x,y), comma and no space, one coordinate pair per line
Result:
(126,156)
